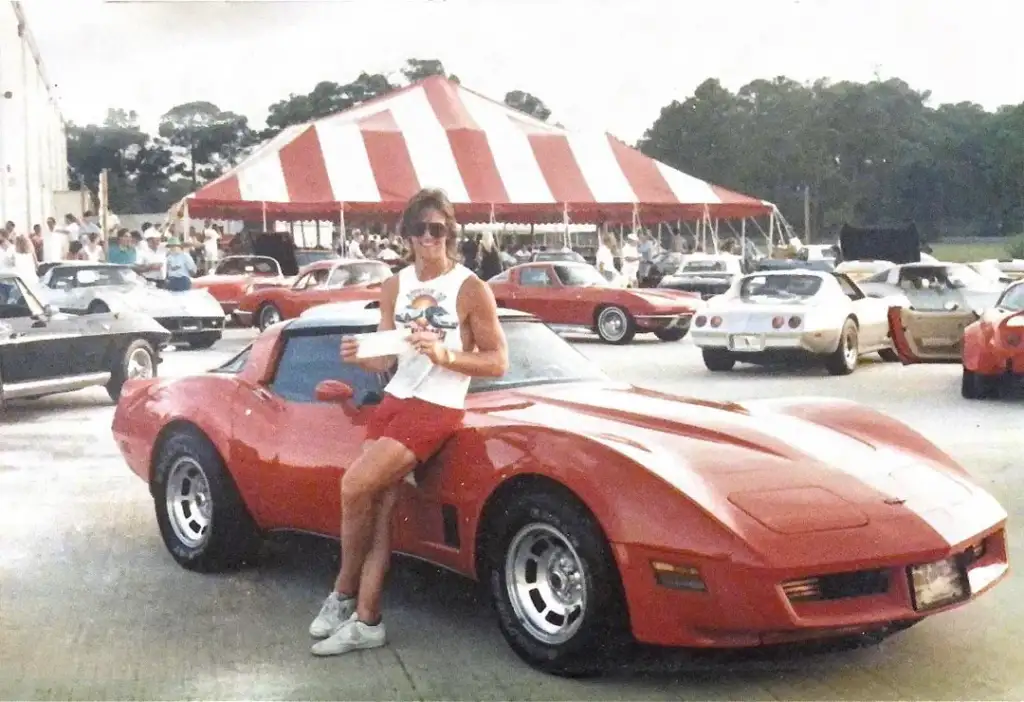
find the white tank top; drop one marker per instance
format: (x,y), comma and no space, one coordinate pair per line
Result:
(430,305)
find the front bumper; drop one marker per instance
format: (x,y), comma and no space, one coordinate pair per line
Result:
(800,342)
(184,328)
(661,322)
(746,606)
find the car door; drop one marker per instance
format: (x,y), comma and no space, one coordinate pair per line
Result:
(297,446)
(535,292)
(34,348)
(307,292)
(929,336)
(872,313)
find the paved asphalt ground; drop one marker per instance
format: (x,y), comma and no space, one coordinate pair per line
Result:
(92,607)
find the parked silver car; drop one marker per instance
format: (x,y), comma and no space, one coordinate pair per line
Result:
(935,286)
(84,287)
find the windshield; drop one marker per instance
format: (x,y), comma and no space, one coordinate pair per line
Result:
(1013,298)
(961,276)
(538,356)
(259,265)
(91,277)
(704,266)
(580,276)
(359,274)
(952,276)
(776,287)
(558,256)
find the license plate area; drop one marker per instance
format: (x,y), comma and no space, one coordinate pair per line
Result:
(938,584)
(746,342)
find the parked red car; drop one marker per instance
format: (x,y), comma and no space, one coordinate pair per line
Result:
(574,296)
(595,512)
(234,276)
(334,280)
(988,344)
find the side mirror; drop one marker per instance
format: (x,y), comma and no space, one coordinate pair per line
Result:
(333,391)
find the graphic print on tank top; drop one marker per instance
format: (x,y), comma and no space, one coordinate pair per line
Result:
(421,310)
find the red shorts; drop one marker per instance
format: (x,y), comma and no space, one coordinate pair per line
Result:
(418,425)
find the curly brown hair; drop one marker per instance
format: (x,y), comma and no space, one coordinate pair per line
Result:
(430,199)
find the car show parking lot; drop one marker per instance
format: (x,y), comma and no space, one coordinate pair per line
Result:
(92,606)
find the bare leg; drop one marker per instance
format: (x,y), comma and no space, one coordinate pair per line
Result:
(375,568)
(379,467)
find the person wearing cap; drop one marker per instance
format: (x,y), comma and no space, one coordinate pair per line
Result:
(180,266)
(631,259)
(151,258)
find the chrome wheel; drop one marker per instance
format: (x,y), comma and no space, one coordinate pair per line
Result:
(189,507)
(850,350)
(269,317)
(546,583)
(612,323)
(139,365)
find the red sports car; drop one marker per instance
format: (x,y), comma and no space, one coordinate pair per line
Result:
(595,511)
(989,344)
(574,296)
(335,280)
(236,275)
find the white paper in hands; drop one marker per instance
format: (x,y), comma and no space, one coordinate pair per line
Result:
(386,343)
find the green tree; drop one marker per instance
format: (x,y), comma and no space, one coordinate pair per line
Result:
(325,99)
(211,139)
(530,104)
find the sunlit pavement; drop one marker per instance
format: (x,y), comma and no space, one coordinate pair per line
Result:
(92,607)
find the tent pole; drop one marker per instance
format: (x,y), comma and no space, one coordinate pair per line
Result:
(342,235)
(743,235)
(263,205)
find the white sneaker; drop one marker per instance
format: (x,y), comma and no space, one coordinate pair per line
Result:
(353,635)
(335,611)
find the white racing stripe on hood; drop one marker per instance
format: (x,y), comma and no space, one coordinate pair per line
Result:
(893,473)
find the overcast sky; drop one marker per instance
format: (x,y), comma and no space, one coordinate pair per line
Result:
(596,63)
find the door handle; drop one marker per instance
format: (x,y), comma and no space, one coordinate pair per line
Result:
(262,393)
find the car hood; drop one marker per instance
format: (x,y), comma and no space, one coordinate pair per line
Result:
(790,475)
(162,303)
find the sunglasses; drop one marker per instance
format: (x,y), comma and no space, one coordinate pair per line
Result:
(437,230)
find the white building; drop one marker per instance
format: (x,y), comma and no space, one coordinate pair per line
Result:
(33,141)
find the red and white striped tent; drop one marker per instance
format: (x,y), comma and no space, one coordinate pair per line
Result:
(495,163)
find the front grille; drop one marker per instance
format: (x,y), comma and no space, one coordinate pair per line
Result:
(837,586)
(191,323)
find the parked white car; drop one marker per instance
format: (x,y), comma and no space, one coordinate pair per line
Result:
(82,287)
(770,316)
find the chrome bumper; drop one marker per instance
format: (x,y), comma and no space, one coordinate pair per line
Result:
(815,342)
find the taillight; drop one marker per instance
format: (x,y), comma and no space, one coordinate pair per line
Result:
(794,322)
(777,322)
(716,321)
(700,321)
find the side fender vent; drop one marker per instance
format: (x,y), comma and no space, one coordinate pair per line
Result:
(450,523)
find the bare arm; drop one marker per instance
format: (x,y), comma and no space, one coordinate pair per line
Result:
(388,295)
(490,359)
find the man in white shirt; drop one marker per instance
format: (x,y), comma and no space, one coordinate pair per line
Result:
(71,227)
(211,245)
(354,250)
(55,242)
(151,259)
(630,256)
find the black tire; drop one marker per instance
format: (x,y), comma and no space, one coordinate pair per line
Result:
(124,363)
(975,386)
(229,538)
(718,360)
(675,334)
(843,361)
(263,315)
(603,627)
(204,341)
(97,307)
(889,356)
(611,317)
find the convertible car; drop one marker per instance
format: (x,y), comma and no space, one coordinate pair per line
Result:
(322,282)
(84,287)
(44,351)
(576,297)
(594,511)
(933,286)
(767,317)
(234,276)
(988,344)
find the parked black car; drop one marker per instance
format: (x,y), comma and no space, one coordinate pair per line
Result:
(44,351)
